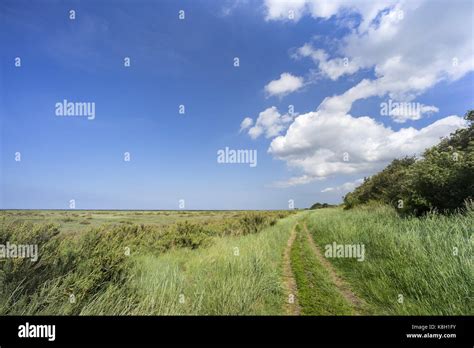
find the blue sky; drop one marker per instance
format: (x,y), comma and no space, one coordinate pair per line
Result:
(191,62)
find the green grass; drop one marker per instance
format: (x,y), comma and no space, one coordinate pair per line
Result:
(412,257)
(317,295)
(210,281)
(192,259)
(184,263)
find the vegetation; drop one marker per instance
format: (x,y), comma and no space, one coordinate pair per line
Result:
(234,276)
(74,221)
(412,266)
(442,180)
(320,205)
(234,265)
(100,261)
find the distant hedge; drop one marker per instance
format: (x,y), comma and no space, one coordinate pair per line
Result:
(320,205)
(442,179)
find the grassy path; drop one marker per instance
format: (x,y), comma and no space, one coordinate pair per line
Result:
(320,291)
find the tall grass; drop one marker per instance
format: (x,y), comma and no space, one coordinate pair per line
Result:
(413,266)
(182,268)
(234,276)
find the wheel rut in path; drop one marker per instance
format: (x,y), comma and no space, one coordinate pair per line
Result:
(290,282)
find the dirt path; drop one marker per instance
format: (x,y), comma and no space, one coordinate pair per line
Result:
(290,283)
(341,285)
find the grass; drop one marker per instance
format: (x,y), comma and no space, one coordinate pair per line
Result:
(231,263)
(412,266)
(183,268)
(235,276)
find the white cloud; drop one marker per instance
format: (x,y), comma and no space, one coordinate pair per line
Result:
(321,144)
(332,68)
(407,58)
(246,123)
(270,123)
(408,54)
(344,188)
(286,84)
(287,10)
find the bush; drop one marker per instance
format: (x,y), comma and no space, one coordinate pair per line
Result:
(320,206)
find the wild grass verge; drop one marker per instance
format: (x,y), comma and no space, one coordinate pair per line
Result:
(412,266)
(144,269)
(234,276)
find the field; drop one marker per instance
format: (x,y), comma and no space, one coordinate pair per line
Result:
(237,263)
(80,220)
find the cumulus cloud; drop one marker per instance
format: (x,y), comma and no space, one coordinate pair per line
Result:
(286,84)
(269,123)
(321,144)
(407,54)
(344,188)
